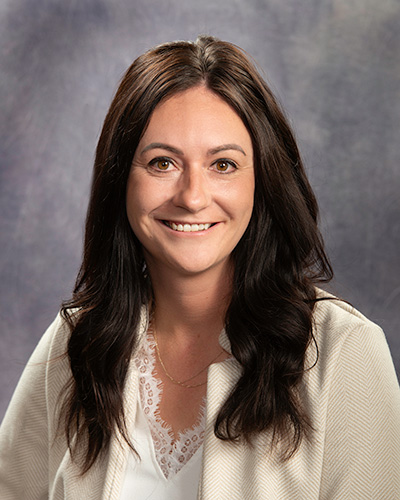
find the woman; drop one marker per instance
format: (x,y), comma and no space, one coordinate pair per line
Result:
(197,358)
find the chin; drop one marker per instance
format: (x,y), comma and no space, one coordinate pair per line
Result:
(195,267)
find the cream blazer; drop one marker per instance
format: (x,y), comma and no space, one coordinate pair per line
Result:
(352,396)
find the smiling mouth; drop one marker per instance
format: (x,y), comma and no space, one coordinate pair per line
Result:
(188,228)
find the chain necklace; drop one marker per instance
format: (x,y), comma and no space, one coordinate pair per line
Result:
(172,379)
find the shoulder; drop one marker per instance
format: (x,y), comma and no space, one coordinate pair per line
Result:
(333,312)
(47,370)
(354,398)
(347,344)
(48,367)
(336,322)
(54,341)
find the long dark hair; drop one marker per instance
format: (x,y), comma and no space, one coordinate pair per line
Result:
(278,261)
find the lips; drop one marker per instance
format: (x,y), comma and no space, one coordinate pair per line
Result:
(188,228)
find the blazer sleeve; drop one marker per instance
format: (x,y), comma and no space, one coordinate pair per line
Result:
(362,439)
(25,430)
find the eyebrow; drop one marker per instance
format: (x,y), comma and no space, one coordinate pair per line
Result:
(160,145)
(210,152)
(226,147)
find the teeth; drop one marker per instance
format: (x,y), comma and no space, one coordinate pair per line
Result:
(188,228)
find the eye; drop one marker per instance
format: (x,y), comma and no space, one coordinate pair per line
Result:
(161,164)
(225,166)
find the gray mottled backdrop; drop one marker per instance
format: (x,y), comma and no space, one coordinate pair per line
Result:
(334,65)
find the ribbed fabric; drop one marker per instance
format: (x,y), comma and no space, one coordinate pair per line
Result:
(352,396)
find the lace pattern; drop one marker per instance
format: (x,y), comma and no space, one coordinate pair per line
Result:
(171,454)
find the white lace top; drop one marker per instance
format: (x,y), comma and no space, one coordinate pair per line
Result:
(144,479)
(171,454)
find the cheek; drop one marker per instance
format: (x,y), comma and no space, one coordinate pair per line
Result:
(245,208)
(143,198)
(242,199)
(135,204)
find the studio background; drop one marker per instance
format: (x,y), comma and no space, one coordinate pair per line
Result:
(334,65)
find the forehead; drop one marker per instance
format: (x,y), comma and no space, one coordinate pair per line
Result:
(196,116)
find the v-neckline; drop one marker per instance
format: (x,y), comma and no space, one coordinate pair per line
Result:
(173,452)
(151,446)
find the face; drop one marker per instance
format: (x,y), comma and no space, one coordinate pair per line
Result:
(191,186)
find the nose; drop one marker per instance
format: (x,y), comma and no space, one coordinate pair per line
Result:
(193,190)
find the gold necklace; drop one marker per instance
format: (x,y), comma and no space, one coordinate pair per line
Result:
(178,382)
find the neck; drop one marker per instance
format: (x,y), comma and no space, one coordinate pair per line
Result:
(191,307)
